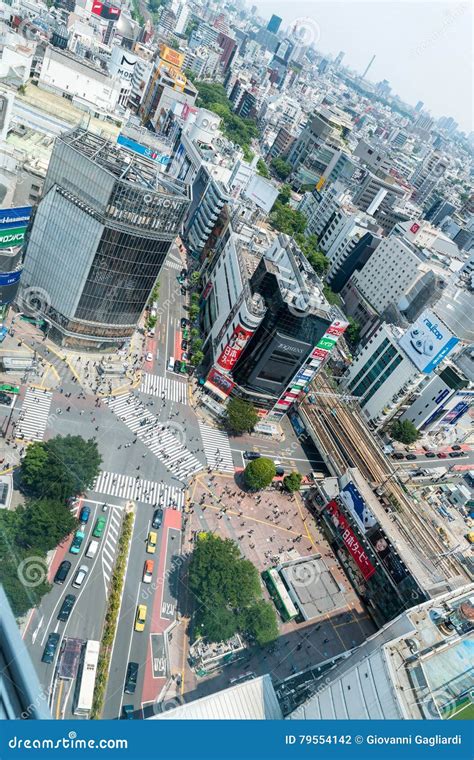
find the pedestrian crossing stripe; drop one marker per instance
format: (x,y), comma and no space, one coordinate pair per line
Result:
(34,415)
(171,264)
(163,441)
(173,390)
(216,448)
(143,491)
(110,545)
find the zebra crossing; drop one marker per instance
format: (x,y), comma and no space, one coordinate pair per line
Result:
(173,390)
(145,491)
(172,264)
(34,415)
(110,545)
(164,441)
(216,448)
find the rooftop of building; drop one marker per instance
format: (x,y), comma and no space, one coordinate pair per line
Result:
(420,665)
(126,166)
(313,587)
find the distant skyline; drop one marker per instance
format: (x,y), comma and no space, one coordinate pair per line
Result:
(423,48)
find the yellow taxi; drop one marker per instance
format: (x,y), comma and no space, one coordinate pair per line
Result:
(140,617)
(151,544)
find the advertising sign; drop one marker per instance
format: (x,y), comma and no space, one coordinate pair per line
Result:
(455,413)
(9,282)
(231,353)
(427,342)
(207,290)
(354,501)
(15,217)
(414,228)
(350,540)
(108,12)
(11,236)
(223,384)
(143,150)
(172,56)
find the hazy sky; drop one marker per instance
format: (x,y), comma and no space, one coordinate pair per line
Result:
(423,48)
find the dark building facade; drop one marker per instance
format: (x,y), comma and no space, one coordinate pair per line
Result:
(274,24)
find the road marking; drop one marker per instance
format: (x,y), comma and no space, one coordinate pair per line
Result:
(216,448)
(34,415)
(170,389)
(145,491)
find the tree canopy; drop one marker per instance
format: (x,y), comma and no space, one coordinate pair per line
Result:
(213,97)
(308,244)
(228,593)
(281,167)
(262,168)
(241,416)
(286,219)
(61,467)
(404,431)
(259,473)
(292,482)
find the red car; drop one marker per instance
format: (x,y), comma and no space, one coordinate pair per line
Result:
(441,455)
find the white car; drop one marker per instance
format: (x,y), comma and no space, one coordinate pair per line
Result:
(80,576)
(149,357)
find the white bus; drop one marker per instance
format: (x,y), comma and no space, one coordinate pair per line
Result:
(86,679)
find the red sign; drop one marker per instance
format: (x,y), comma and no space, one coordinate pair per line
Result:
(414,227)
(319,353)
(207,290)
(337,327)
(105,11)
(231,353)
(350,540)
(220,381)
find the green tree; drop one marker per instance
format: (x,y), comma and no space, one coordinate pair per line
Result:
(292,482)
(262,168)
(195,298)
(241,416)
(404,431)
(43,524)
(287,219)
(194,278)
(284,195)
(260,621)
(352,333)
(197,358)
(194,332)
(333,298)
(281,167)
(196,344)
(259,473)
(71,466)
(193,312)
(310,247)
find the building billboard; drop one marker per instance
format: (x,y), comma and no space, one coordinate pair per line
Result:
(143,150)
(427,342)
(350,540)
(219,383)
(455,413)
(171,56)
(108,12)
(9,282)
(11,236)
(14,217)
(355,504)
(233,350)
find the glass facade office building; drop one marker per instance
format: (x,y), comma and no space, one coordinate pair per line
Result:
(98,240)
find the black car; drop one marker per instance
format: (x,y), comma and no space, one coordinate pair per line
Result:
(66,607)
(184,345)
(62,571)
(279,470)
(131,678)
(410,457)
(455,454)
(184,322)
(50,648)
(398,455)
(183,290)
(183,273)
(456,447)
(430,454)
(251,455)
(157,518)
(5,399)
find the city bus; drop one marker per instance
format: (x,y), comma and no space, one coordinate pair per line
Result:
(279,594)
(86,679)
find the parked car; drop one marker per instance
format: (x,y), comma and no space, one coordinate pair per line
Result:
(131,678)
(184,345)
(184,356)
(252,455)
(430,454)
(66,607)
(148,571)
(398,455)
(62,571)
(99,526)
(411,457)
(184,272)
(84,514)
(76,542)
(186,334)
(127,712)
(140,617)
(183,290)
(151,543)
(456,447)
(184,322)
(157,518)
(455,454)
(92,549)
(149,357)
(80,576)
(50,648)
(171,364)
(442,455)
(280,470)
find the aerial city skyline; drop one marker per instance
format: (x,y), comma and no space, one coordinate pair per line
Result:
(236,376)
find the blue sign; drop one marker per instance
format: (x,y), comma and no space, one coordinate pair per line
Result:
(15,217)
(143,150)
(354,501)
(456,413)
(9,278)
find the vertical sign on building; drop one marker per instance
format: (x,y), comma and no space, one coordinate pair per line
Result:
(308,370)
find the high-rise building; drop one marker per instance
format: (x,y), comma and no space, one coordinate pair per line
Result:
(339,58)
(99,238)
(274,24)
